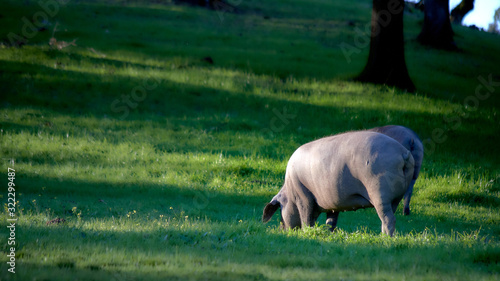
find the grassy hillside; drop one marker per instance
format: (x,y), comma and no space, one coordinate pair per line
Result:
(148,149)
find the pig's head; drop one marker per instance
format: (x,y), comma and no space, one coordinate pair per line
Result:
(289,214)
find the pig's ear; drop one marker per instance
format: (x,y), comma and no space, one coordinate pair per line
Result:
(269,210)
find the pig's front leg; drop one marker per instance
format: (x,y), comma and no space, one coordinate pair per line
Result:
(331,219)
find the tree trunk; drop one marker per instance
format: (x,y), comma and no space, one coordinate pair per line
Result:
(386,61)
(436,31)
(494,27)
(459,12)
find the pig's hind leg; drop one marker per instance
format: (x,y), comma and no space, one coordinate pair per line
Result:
(309,213)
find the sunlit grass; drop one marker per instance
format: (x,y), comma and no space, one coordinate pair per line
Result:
(174,189)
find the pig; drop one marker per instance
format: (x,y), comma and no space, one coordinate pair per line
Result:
(343,172)
(410,141)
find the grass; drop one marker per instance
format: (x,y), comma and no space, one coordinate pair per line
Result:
(171,183)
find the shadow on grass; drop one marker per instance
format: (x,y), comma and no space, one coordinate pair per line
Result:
(208,109)
(220,118)
(98,200)
(204,111)
(217,252)
(68,271)
(216,246)
(149,201)
(467,198)
(215,116)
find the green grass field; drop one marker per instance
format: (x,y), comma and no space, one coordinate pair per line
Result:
(160,162)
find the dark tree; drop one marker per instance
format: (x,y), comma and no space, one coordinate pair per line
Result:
(386,60)
(437,31)
(417,5)
(494,27)
(459,12)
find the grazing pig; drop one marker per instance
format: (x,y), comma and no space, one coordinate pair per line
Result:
(342,173)
(410,141)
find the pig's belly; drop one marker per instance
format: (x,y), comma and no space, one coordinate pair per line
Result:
(350,203)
